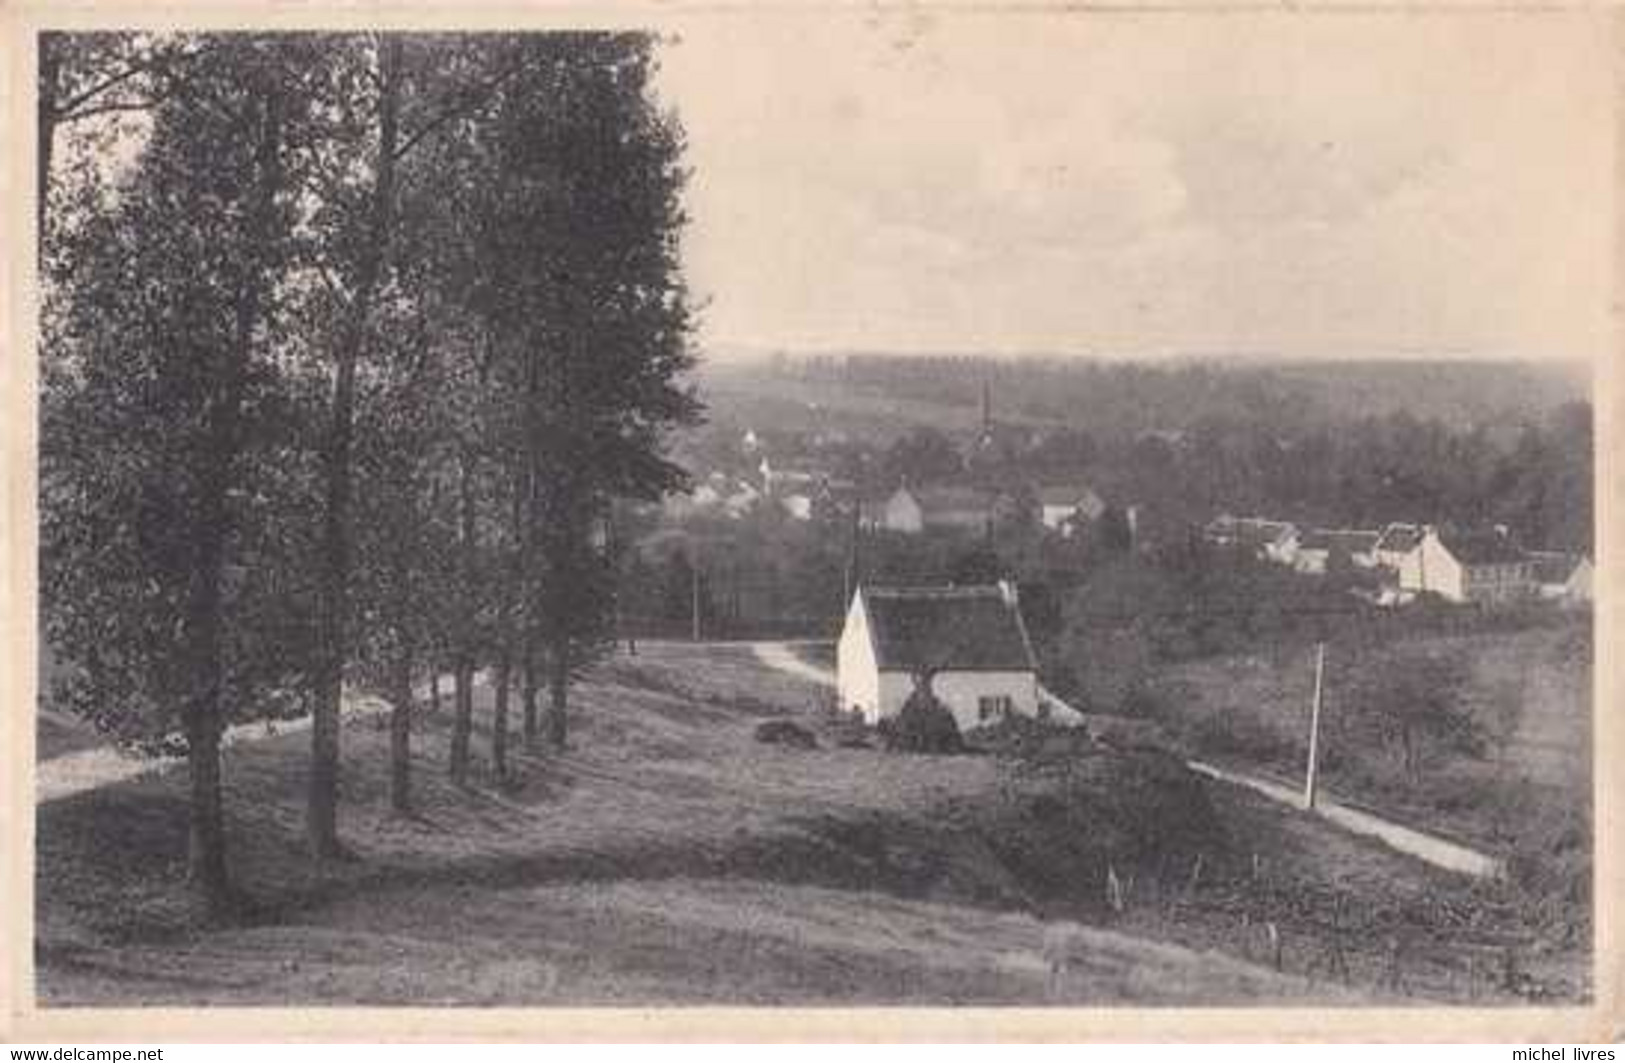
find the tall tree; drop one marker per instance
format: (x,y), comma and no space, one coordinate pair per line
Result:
(578,237)
(163,389)
(361,222)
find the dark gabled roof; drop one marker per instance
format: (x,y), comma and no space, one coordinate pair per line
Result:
(1552,567)
(951,499)
(1062,495)
(1347,540)
(972,629)
(1481,548)
(1400,538)
(1248,531)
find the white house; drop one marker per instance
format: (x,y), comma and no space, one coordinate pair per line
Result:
(782,481)
(1484,567)
(1561,577)
(970,639)
(1317,546)
(798,505)
(1063,509)
(1268,540)
(913,510)
(742,499)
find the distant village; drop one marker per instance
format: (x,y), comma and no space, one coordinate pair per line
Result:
(1390,565)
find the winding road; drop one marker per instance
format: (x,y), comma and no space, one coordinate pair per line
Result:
(1430,848)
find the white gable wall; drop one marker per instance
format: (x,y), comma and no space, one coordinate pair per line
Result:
(1283,549)
(857,674)
(1056,515)
(1430,567)
(1578,588)
(903,513)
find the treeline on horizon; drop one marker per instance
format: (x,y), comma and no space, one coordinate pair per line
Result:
(1186,443)
(349,344)
(1126,395)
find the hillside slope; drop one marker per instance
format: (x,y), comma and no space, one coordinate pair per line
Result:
(666,857)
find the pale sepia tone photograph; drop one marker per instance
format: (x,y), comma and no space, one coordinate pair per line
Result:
(920,508)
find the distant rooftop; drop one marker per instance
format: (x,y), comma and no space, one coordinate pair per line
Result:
(1553,567)
(939,499)
(1249,531)
(1481,547)
(1400,538)
(1347,539)
(1066,495)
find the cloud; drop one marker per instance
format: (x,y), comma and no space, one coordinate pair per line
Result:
(1148,183)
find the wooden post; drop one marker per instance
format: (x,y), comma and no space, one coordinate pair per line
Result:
(1314,729)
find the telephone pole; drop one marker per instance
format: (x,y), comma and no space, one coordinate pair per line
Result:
(852,576)
(1314,728)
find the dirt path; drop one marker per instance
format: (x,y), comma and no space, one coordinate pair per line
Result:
(103,765)
(780,657)
(1434,850)
(88,769)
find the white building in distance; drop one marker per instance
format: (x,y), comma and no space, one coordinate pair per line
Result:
(1483,567)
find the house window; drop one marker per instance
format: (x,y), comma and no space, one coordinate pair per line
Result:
(994,706)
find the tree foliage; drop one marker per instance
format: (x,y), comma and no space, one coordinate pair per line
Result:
(348,349)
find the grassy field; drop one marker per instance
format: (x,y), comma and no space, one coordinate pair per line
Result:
(668,857)
(1543,674)
(1521,793)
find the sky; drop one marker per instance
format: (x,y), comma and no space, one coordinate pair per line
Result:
(1142,184)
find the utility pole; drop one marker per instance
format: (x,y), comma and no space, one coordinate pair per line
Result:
(1314,728)
(850,583)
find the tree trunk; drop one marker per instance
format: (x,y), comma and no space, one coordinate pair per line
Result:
(506,638)
(462,724)
(206,856)
(322,810)
(205,617)
(463,665)
(529,596)
(400,732)
(434,687)
(499,715)
(45,131)
(559,692)
(531,693)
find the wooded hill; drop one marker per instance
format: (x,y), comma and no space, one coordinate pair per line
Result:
(348,343)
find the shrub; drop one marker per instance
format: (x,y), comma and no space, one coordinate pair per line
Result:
(1234,730)
(923,726)
(785,733)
